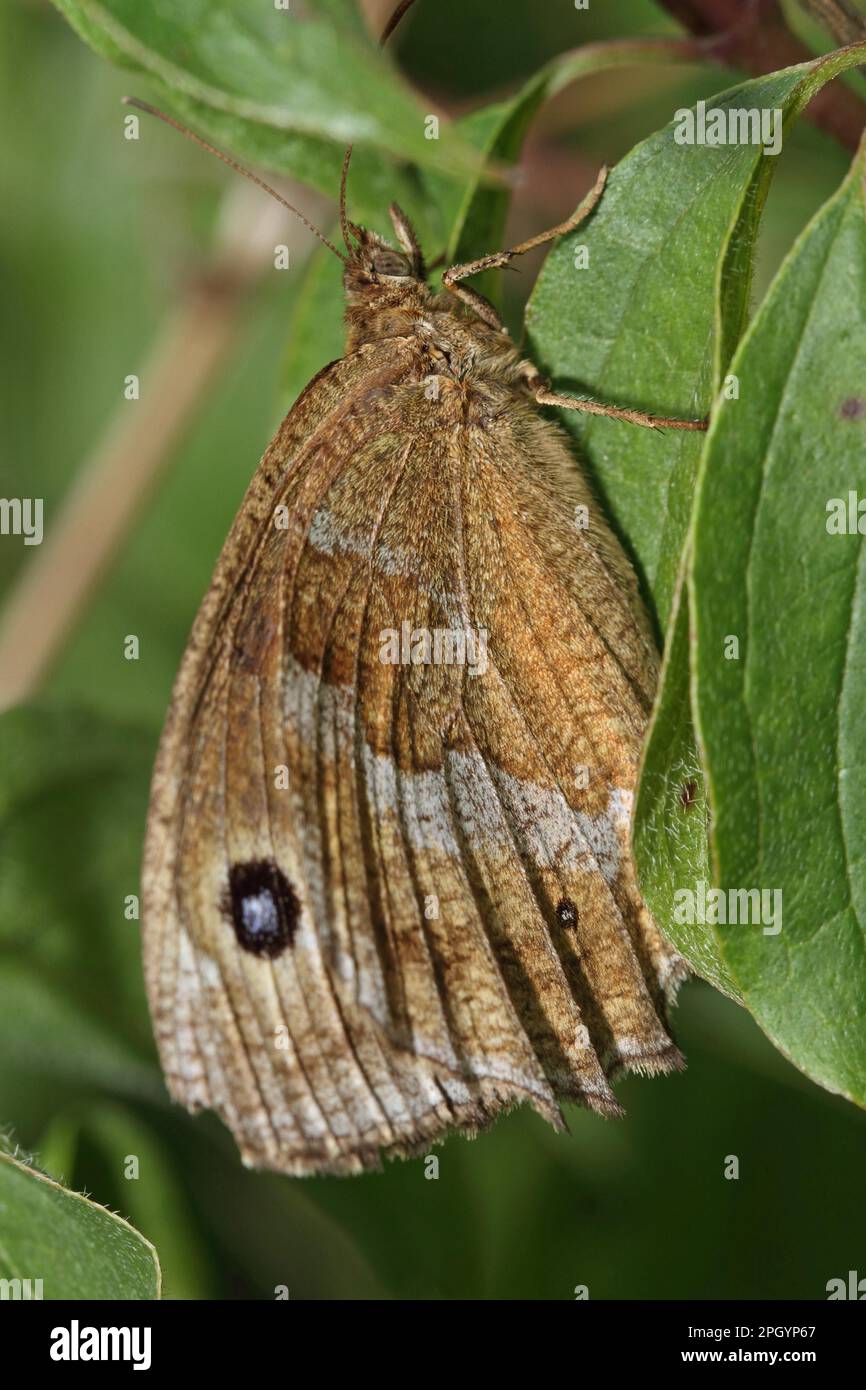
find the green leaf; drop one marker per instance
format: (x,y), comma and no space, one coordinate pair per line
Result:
(670,841)
(73,793)
(148,1187)
(49,1031)
(670,824)
(781,727)
(347,14)
(473,213)
(477,212)
(281,91)
(665,350)
(317,332)
(75,1247)
(58,1147)
(641,325)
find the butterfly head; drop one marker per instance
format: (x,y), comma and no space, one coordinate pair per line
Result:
(375,269)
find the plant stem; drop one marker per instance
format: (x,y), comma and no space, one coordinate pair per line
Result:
(111,488)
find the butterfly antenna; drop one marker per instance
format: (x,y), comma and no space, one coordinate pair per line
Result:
(233,164)
(396,16)
(344,221)
(395,20)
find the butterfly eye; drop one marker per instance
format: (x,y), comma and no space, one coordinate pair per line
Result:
(391,263)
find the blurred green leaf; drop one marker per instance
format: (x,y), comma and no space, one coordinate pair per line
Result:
(77,1248)
(58,1146)
(147,1184)
(280,1231)
(73,792)
(477,217)
(148,1191)
(348,15)
(317,332)
(279,90)
(48,1033)
(781,726)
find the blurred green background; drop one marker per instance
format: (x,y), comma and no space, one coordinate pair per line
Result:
(98,238)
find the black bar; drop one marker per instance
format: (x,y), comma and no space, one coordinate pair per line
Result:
(257,1338)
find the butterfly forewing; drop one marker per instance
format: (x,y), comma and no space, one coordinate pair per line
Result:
(388,886)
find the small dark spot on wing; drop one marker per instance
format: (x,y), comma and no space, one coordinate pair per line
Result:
(566,913)
(262,907)
(853,408)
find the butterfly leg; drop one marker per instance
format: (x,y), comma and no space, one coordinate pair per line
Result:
(477,303)
(543,396)
(482,307)
(540,390)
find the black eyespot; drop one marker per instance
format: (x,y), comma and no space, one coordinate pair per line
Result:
(391,263)
(566,913)
(263,907)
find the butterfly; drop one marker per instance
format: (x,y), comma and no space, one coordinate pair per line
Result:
(387,886)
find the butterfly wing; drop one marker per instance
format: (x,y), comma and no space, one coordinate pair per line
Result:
(387,881)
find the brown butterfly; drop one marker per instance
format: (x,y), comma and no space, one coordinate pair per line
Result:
(388,887)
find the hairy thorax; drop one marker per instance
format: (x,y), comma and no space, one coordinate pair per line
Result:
(445,341)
